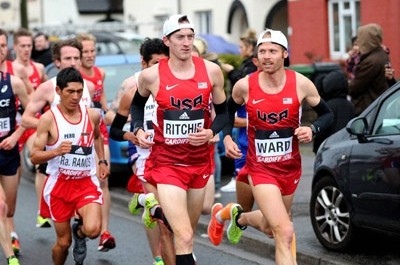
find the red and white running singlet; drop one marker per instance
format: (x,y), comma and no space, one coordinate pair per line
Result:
(80,162)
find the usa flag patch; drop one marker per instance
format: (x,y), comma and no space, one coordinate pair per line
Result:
(202,85)
(287,100)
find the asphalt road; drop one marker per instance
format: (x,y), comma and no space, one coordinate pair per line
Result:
(132,246)
(254,247)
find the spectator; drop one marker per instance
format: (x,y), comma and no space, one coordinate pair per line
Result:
(369,77)
(354,59)
(389,73)
(41,52)
(332,87)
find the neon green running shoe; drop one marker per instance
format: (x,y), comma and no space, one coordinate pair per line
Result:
(12,260)
(158,261)
(150,202)
(134,205)
(42,222)
(234,232)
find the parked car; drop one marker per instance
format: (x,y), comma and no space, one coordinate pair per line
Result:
(117,68)
(356,182)
(117,43)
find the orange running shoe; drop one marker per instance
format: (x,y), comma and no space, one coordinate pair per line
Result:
(215,230)
(15,245)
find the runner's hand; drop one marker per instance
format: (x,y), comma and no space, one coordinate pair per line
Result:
(231,148)
(142,138)
(201,136)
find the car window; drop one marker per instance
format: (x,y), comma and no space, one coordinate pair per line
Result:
(115,74)
(130,47)
(388,120)
(107,48)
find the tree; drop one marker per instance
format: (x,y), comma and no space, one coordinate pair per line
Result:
(24,14)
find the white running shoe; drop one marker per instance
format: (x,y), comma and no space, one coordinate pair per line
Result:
(230,187)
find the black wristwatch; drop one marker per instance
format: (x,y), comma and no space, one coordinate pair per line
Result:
(103,161)
(135,131)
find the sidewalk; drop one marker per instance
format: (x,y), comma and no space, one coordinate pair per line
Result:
(309,250)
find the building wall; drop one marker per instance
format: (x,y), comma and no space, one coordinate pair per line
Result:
(308,33)
(143,13)
(9,17)
(47,14)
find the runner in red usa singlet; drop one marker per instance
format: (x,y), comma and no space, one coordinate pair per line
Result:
(273,148)
(183,107)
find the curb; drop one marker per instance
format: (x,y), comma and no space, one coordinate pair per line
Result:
(253,241)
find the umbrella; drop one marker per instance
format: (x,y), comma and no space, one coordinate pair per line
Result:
(219,45)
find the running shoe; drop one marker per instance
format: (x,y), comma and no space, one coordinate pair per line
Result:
(12,260)
(15,245)
(215,230)
(42,222)
(134,205)
(230,187)
(150,202)
(234,232)
(158,261)
(79,249)
(107,242)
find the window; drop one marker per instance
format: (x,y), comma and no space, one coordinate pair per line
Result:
(388,120)
(344,19)
(203,22)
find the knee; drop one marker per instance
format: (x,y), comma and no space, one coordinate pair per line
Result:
(64,243)
(284,232)
(92,231)
(184,236)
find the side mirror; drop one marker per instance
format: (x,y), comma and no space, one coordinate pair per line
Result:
(358,127)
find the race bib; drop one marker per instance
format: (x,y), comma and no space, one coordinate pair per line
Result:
(273,146)
(5,126)
(178,124)
(78,162)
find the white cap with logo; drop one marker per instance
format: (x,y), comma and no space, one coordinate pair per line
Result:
(274,36)
(173,24)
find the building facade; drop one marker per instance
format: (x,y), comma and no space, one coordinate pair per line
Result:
(317,30)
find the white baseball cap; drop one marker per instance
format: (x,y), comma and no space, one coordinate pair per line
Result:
(173,24)
(274,36)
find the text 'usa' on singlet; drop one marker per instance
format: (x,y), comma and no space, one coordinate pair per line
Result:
(272,118)
(8,108)
(80,162)
(183,107)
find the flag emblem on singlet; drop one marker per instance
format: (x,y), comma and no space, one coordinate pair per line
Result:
(287,100)
(202,85)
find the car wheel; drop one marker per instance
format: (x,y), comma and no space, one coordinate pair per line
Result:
(330,216)
(27,163)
